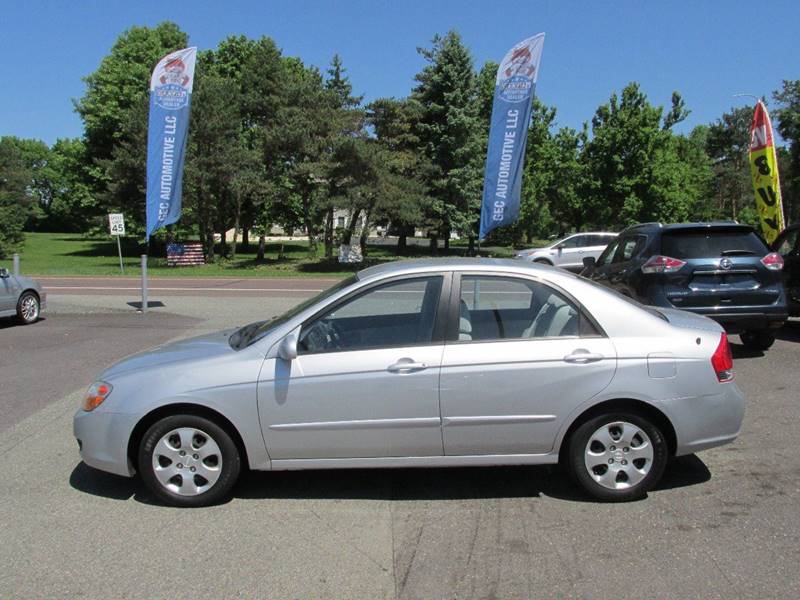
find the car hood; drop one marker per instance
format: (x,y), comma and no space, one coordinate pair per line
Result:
(191,349)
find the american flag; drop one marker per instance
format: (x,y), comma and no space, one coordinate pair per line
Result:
(179,255)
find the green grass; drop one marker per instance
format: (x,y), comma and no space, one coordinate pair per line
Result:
(75,254)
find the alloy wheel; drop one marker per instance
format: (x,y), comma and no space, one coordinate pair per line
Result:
(29,308)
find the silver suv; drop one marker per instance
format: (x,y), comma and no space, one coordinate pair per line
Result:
(569,252)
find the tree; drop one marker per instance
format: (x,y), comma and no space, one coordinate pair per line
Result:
(636,170)
(16,200)
(788,116)
(727,145)
(565,204)
(449,133)
(395,125)
(114,111)
(350,128)
(121,83)
(67,203)
(538,172)
(300,138)
(211,152)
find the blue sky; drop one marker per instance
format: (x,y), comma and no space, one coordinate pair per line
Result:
(706,50)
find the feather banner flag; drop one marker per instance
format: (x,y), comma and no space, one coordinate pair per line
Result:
(168,127)
(511,114)
(764,169)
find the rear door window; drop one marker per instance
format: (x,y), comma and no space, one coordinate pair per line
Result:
(502,308)
(576,241)
(711,244)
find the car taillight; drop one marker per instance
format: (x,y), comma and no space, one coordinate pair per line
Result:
(662,264)
(722,361)
(773,261)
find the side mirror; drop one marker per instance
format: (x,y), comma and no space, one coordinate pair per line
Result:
(287,349)
(560,247)
(3,273)
(589,264)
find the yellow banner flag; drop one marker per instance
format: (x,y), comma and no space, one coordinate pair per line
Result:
(764,169)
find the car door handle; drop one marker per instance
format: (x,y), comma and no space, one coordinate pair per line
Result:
(583,357)
(406,366)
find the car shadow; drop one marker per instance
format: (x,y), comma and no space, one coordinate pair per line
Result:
(439,484)
(6,322)
(790,332)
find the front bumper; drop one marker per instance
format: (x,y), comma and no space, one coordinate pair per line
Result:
(703,422)
(103,440)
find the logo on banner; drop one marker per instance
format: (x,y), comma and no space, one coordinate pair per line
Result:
(173,94)
(516,75)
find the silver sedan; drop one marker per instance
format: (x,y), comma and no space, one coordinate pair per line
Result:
(423,364)
(20,297)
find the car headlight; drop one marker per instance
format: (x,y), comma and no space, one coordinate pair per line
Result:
(95,395)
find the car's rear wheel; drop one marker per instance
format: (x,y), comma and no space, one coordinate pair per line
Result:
(757,340)
(28,308)
(187,460)
(617,457)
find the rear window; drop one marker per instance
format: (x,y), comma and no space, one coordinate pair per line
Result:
(707,244)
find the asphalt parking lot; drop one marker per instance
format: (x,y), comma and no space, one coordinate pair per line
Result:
(722,524)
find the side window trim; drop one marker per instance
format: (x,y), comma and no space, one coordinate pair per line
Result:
(453,312)
(440,319)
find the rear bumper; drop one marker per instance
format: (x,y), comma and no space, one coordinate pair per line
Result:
(736,322)
(706,421)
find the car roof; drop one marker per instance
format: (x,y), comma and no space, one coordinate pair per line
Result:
(590,233)
(699,225)
(451,264)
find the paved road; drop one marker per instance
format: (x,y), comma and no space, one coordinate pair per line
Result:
(723,524)
(186,286)
(64,352)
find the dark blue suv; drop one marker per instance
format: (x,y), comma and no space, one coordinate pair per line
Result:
(721,270)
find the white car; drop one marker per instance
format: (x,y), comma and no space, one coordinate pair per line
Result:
(569,252)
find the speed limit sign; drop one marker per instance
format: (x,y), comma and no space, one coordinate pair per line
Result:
(116,224)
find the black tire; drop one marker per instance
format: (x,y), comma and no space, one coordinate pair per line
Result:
(543,261)
(219,490)
(576,465)
(28,297)
(757,340)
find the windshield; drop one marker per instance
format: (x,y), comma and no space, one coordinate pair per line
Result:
(251,333)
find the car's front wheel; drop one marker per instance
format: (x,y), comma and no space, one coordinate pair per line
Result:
(28,308)
(617,457)
(187,460)
(757,340)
